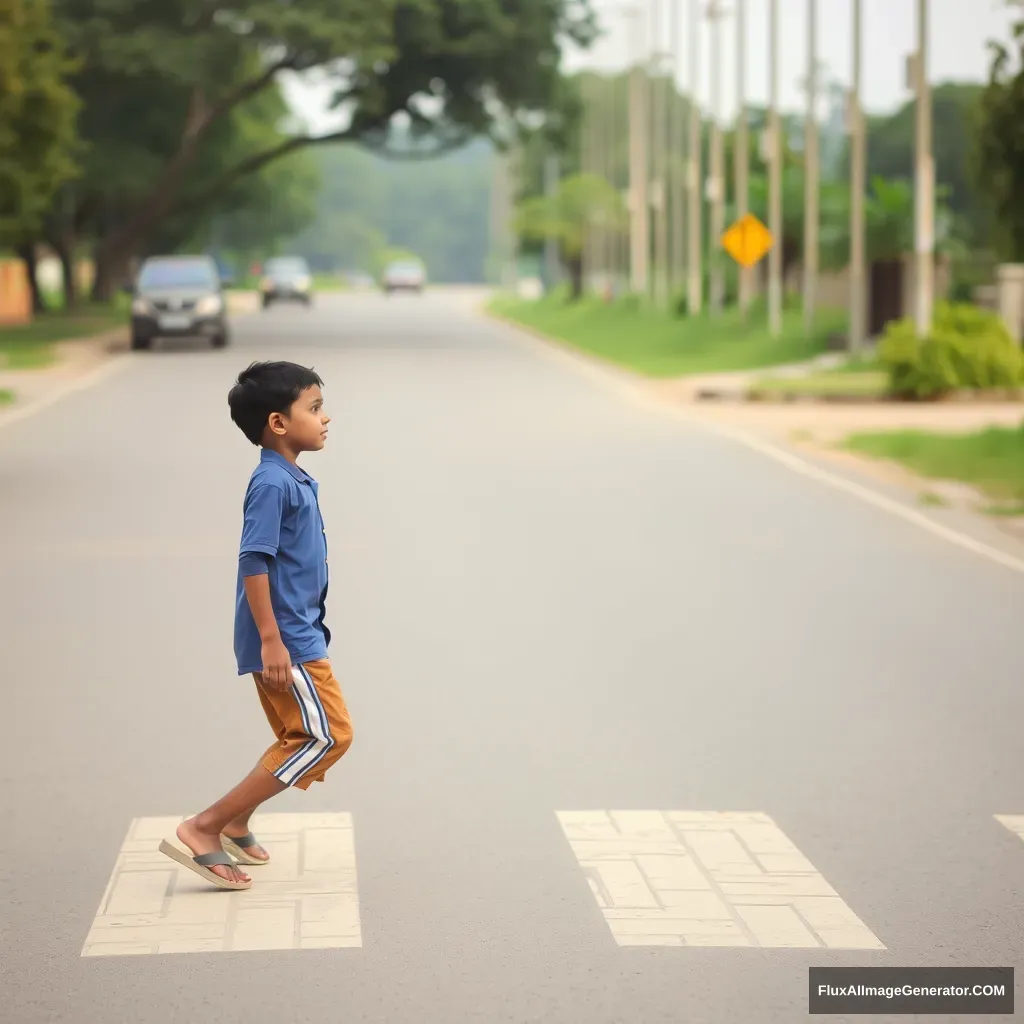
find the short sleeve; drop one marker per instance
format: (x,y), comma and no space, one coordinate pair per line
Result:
(263,511)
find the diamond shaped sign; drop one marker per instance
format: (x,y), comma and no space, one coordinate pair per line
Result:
(747,241)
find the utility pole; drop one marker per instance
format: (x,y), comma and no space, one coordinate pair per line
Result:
(587,256)
(741,152)
(715,14)
(775,180)
(659,163)
(676,187)
(811,172)
(638,205)
(924,179)
(551,176)
(695,275)
(858,175)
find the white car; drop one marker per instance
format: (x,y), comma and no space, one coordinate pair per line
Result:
(286,279)
(405,276)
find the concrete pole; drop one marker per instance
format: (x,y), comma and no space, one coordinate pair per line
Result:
(586,168)
(551,265)
(638,212)
(675,144)
(659,125)
(695,268)
(715,13)
(812,172)
(924,181)
(741,151)
(775,179)
(858,178)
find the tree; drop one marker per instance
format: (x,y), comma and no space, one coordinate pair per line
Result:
(567,217)
(37,120)
(453,69)
(1000,151)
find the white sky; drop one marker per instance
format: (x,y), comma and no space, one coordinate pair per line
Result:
(958,33)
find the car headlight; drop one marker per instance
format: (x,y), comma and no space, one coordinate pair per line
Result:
(266,284)
(303,283)
(140,307)
(209,305)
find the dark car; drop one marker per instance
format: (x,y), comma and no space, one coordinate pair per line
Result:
(286,279)
(179,297)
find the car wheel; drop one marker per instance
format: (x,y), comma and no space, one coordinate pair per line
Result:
(265,301)
(140,341)
(220,340)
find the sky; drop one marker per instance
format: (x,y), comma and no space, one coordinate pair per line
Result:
(958,33)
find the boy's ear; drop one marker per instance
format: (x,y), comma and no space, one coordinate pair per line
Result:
(276,424)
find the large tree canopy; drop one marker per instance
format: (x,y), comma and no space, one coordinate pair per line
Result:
(1001,143)
(159,77)
(37,116)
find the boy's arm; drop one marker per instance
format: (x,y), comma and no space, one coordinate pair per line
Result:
(264,509)
(277,663)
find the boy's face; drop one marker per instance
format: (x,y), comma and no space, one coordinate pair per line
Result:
(305,425)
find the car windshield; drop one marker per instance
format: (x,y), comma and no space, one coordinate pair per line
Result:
(178,274)
(287,267)
(405,268)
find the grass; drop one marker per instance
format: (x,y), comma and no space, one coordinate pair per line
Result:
(651,342)
(6,397)
(30,346)
(840,382)
(991,460)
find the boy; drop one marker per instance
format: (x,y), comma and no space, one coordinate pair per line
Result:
(280,635)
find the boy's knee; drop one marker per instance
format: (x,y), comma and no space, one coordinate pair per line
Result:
(341,740)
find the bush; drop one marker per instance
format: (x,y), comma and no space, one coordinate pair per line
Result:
(968,349)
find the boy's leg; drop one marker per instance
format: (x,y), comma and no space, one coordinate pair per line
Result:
(201,834)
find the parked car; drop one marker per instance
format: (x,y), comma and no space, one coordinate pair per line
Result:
(178,297)
(286,279)
(404,276)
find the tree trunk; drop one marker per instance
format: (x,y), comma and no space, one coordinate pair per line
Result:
(64,247)
(27,254)
(111,272)
(574,267)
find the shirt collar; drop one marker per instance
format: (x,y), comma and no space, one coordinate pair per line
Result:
(266,455)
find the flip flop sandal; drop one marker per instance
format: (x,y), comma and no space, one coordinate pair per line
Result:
(201,865)
(237,846)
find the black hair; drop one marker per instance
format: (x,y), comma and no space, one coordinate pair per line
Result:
(265,388)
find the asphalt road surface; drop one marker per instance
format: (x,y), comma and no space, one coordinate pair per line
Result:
(551,606)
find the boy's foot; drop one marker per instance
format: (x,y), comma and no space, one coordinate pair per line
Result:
(204,842)
(249,850)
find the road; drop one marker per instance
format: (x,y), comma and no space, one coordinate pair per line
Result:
(551,606)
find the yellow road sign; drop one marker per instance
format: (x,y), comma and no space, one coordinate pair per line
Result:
(747,241)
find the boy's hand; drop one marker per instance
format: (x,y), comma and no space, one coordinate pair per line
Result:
(277,665)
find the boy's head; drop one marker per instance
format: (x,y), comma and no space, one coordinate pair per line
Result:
(280,405)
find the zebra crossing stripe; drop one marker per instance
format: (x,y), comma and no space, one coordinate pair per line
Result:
(304,898)
(707,878)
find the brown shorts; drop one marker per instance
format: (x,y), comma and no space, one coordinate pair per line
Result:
(310,721)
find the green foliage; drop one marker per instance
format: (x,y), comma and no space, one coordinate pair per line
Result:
(581,203)
(1000,152)
(37,115)
(967,348)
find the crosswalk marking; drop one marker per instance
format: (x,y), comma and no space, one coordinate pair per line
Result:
(305,898)
(1014,822)
(707,878)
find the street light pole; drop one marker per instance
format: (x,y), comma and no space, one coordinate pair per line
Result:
(695,276)
(741,153)
(675,145)
(775,180)
(924,179)
(715,13)
(638,206)
(858,174)
(811,172)
(659,125)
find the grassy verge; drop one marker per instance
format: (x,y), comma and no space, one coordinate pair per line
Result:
(654,343)
(991,460)
(30,346)
(6,397)
(842,382)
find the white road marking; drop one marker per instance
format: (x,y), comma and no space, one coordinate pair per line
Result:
(613,377)
(304,898)
(708,878)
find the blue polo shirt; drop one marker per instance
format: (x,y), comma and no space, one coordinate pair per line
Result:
(283,534)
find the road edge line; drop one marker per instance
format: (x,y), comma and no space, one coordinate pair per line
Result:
(634,385)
